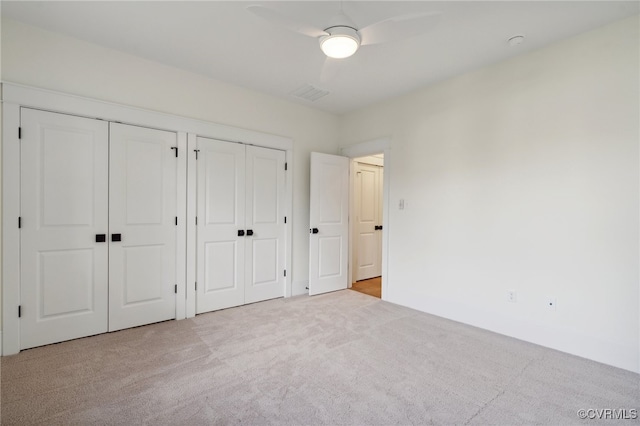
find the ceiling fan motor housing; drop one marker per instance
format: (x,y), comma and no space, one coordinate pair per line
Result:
(341,20)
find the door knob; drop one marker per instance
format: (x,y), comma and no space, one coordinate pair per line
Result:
(101,238)
(249,232)
(314,231)
(116,237)
(240,233)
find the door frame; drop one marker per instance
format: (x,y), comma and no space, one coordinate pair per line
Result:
(363,149)
(16,96)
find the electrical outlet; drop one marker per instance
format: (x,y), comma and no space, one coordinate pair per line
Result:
(551,303)
(512,296)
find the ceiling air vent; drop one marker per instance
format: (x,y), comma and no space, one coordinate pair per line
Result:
(309,93)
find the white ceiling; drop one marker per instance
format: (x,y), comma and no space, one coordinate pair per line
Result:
(220,39)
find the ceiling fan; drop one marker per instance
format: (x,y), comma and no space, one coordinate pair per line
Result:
(341,38)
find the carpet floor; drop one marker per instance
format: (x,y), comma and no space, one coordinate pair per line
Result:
(339,358)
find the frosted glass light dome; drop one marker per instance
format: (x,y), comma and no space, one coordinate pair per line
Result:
(341,42)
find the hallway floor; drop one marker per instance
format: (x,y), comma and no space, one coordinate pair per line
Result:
(372,287)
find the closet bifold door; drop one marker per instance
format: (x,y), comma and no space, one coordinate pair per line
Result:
(142,227)
(64,206)
(265,184)
(221,232)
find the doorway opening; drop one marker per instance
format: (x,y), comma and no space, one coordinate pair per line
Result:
(366,204)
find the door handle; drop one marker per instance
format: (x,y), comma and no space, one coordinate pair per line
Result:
(249,232)
(101,238)
(378,227)
(240,233)
(116,237)
(314,231)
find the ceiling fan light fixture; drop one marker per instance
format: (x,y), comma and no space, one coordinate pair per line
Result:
(341,42)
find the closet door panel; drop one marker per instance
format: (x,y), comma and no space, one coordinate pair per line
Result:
(221,215)
(142,211)
(265,217)
(64,204)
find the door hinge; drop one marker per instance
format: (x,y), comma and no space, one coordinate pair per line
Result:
(196,286)
(176,220)
(285,166)
(196,151)
(19,132)
(175,289)
(196,220)
(285,272)
(19,222)
(285,219)
(176,148)
(19,311)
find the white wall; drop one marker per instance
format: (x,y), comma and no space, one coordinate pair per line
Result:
(39,58)
(523,175)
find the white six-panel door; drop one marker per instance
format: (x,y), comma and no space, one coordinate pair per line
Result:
(265,192)
(329,215)
(221,215)
(64,206)
(142,223)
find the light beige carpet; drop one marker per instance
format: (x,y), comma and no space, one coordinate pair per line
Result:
(291,361)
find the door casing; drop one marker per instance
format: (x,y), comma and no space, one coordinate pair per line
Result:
(363,149)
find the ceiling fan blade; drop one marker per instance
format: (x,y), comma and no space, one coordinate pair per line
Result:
(399,27)
(284,21)
(330,70)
